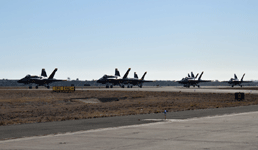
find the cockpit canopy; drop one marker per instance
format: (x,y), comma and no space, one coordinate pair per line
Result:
(105,76)
(32,76)
(108,77)
(232,79)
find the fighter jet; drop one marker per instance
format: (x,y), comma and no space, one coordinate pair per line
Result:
(191,80)
(127,81)
(39,80)
(135,81)
(111,80)
(235,81)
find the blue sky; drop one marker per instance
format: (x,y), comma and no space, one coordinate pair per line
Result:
(86,39)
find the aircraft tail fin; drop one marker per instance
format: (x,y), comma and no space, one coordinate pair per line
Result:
(200,76)
(52,74)
(189,75)
(135,75)
(192,75)
(127,72)
(235,76)
(143,75)
(243,77)
(117,73)
(196,75)
(43,72)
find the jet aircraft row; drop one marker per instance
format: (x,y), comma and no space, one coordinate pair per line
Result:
(111,80)
(191,80)
(116,80)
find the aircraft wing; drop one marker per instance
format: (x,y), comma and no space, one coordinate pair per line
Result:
(236,81)
(247,81)
(47,81)
(115,81)
(205,81)
(147,81)
(135,82)
(53,80)
(198,81)
(183,82)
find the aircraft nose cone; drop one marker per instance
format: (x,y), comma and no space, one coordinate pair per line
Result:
(23,80)
(100,80)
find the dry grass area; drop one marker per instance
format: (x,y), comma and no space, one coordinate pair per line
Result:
(30,106)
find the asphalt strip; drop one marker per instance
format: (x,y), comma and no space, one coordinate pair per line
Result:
(160,121)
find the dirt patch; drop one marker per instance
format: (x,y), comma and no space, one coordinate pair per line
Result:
(89,100)
(30,106)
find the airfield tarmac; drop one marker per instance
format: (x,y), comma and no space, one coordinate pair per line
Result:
(236,129)
(202,89)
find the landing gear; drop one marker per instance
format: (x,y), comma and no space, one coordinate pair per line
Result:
(122,86)
(48,87)
(232,86)
(30,87)
(37,87)
(241,85)
(129,86)
(111,86)
(187,86)
(107,86)
(198,86)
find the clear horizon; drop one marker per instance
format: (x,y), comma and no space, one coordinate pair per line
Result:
(168,39)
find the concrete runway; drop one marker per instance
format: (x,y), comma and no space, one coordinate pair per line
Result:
(35,129)
(203,89)
(235,131)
